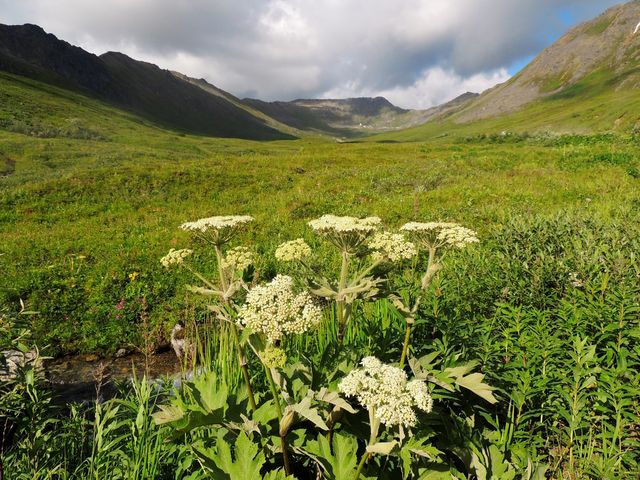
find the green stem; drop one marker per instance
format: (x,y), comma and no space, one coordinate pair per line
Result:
(426,281)
(283,437)
(405,346)
(366,271)
(242,359)
(361,465)
(223,279)
(374,424)
(342,283)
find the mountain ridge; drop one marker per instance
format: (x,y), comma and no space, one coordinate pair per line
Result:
(137,86)
(604,42)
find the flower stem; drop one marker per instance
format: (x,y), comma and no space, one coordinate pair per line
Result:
(242,359)
(283,439)
(340,304)
(374,424)
(426,281)
(363,461)
(405,346)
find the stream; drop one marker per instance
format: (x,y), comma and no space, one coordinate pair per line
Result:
(76,378)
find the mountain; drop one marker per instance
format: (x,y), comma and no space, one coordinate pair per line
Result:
(601,53)
(337,116)
(212,89)
(586,82)
(137,86)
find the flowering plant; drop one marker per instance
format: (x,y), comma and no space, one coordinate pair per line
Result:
(313,394)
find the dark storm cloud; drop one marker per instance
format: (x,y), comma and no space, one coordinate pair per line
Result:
(283,49)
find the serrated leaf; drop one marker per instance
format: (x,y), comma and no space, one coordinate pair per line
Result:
(167,414)
(277,475)
(340,464)
(246,461)
(334,398)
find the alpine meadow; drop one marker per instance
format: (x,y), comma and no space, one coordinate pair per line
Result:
(197,285)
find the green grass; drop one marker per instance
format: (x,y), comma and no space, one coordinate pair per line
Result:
(546,303)
(78,215)
(599,27)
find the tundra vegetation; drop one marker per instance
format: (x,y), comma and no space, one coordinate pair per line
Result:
(462,307)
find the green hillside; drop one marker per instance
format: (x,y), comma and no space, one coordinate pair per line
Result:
(140,87)
(524,344)
(591,105)
(586,82)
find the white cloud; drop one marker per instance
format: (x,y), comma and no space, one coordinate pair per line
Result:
(416,52)
(435,86)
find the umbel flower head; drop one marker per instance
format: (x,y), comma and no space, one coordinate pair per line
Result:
(237,259)
(438,234)
(273,357)
(275,310)
(391,246)
(175,257)
(217,230)
(457,236)
(384,391)
(347,233)
(293,251)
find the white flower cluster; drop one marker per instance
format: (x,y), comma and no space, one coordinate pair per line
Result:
(330,224)
(458,236)
(385,391)
(347,233)
(217,230)
(420,393)
(175,257)
(292,251)
(217,223)
(275,309)
(426,227)
(392,246)
(237,259)
(437,234)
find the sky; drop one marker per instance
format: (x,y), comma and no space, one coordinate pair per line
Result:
(416,53)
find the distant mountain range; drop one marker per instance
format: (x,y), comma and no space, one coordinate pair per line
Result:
(588,80)
(176,100)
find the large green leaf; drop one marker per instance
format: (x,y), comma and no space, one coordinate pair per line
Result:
(304,409)
(244,463)
(168,414)
(474,383)
(339,464)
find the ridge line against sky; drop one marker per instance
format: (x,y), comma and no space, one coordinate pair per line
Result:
(416,53)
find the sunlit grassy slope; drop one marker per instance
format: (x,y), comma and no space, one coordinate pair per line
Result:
(97,196)
(597,103)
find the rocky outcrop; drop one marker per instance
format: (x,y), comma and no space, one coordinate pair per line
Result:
(12,361)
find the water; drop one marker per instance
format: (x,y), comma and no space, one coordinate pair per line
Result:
(77,378)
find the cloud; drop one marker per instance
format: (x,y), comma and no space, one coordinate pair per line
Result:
(436,85)
(416,52)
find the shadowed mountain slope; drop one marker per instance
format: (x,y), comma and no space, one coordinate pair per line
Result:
(137,86)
